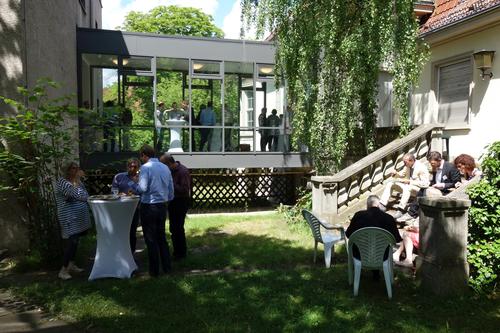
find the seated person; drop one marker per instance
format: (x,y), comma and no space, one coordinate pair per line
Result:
(410,241)
(372,217)
(444,175)
(467,168)
(413,178)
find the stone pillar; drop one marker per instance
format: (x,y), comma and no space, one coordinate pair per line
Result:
(442,265)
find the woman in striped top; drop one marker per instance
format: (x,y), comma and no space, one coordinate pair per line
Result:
(73,215)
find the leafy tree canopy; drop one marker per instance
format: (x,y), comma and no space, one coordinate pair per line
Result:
(173,20)
(331,53)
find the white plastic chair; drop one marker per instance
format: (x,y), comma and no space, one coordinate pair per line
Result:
(328,240)
(372,243)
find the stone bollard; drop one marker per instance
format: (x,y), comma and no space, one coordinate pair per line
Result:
(442,264)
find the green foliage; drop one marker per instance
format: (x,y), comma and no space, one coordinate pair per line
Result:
(293,214)
(330,52)
(38,139)
(173,20)
(484,224)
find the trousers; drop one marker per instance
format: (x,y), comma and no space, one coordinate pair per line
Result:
(177,210)
(153,218)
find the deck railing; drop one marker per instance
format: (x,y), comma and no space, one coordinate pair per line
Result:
(331,195)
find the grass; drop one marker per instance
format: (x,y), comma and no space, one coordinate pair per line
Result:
(250,273)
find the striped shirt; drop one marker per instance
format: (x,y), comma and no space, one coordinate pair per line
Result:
(72,208)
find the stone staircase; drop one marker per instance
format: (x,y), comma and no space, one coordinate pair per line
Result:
(336,198)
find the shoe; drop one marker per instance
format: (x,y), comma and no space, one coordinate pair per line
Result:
(74,268)
(398,215)
(382,207)
(403,264)
(64,274)
(404,218)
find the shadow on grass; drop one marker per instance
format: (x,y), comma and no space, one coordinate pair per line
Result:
(272,286)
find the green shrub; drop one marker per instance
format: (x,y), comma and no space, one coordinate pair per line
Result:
(484,224)
(293,214)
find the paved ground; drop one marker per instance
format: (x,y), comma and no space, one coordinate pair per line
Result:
(17,316)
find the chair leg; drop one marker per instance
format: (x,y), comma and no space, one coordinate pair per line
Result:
(315,250)
(328,247)
(357,275)
(388,277)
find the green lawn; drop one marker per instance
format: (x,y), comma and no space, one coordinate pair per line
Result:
(252,274)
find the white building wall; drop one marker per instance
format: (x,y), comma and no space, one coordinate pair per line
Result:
(484,101)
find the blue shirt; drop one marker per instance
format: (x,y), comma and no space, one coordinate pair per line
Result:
(155,183)
(120,181)
(207,117)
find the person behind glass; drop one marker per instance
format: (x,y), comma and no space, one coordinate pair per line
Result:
(273,134)
(156,188)
(178,207)
(444,175)
(160,120)
(73,215)
(466,165)
(120,186)
(228,121)
(207,118)
(263,133)
(111,119)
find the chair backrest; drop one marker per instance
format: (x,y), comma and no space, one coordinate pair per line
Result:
(313,223)
(372,243)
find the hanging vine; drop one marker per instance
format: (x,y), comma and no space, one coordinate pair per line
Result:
(331,53)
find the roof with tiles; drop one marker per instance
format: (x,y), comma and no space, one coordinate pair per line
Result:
(447,12)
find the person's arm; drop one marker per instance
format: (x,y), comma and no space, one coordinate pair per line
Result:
(182,183)
(114,184)
(352,226)
(454,176)
(142,185)
(422,178)
(170,187)
(71,192)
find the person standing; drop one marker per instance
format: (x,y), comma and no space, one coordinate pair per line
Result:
(207,118)
(263,132)
(156,188)
(73,215)
(120,183)
(177,208)
(272,138)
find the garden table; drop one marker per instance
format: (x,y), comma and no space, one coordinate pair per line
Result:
(113,255)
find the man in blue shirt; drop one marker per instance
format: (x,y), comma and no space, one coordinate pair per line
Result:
(207,118)
(156,189)
(120,184)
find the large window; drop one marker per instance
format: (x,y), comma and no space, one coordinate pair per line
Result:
(453,93)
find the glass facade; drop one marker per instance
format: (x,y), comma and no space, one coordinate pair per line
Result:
(181,105)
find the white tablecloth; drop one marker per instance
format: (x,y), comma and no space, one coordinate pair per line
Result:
(113,255)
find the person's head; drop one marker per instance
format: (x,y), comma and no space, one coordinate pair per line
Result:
(174,105)
(274,112)
(184,104)
(263,110)
(372,201)
(210,104)
(109,103)
(409,160)
(465,164)
(146,153)
(434,159)
(70,170)
(281,116)
(133,165)
(168,160)
(203,107)
(161,105)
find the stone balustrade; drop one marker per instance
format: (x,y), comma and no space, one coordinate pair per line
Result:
(331,195)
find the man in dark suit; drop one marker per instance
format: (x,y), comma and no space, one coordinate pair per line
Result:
(444,175)
(373,217)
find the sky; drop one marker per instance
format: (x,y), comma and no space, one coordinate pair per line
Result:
(226,13)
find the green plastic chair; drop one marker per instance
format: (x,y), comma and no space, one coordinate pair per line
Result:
(372,243)
(328,240)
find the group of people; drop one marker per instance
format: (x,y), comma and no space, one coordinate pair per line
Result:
(164,186)
(269,137)
(414,180)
